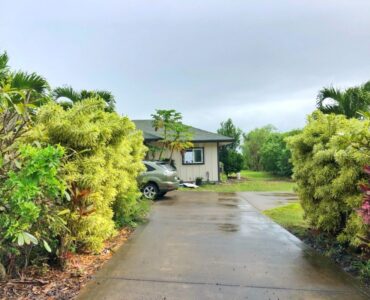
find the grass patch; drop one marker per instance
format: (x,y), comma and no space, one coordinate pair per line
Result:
(259,175)
(289,216)
(252,181)
(247,186)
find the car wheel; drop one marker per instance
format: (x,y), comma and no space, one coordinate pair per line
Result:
(150,191)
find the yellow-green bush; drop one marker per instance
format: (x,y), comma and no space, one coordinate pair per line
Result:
(104,157)
(328,158)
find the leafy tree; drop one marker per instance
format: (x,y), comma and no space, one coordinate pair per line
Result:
(349,102)
(232,160)
(253,142)
(229,129)
(275,155)
(179,138)
(74,96)
(175,135)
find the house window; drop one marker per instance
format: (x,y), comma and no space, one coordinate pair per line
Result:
(193,156)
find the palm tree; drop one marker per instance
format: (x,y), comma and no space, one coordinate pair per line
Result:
(20,95)
(20,91)
(350,102)
(74,96)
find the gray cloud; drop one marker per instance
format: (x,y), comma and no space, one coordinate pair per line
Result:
(257,62)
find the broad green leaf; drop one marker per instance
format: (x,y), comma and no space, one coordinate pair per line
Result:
(46,246)
(31,238)
(20,239)
(26,238)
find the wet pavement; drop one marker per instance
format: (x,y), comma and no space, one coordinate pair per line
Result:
(263,200)
(201,245)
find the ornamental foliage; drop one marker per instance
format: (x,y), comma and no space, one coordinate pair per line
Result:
(105,155)
(67,172)
(328,158)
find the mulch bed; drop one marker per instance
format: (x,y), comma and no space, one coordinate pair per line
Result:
(49,283)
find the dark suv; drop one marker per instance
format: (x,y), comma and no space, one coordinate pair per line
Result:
(158,179)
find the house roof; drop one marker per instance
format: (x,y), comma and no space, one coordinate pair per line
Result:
(198,135)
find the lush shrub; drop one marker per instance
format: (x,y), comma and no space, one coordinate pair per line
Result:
(233,161)
(328,158)
(104,154)
(31,205)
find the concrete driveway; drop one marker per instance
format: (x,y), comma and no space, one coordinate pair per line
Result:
(201,245)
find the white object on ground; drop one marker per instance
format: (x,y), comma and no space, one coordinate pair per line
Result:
(189,185)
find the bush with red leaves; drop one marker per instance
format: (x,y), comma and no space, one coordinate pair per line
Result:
(364,211)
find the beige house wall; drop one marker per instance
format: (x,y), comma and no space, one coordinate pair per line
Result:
(208,170)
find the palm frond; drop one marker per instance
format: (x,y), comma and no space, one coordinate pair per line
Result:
(66,92)
(331,109)
(328,93)
(29,81)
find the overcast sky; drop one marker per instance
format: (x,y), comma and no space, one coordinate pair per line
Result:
(258,62)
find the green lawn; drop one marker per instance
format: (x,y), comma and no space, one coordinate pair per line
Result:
(289,216)
(254,182)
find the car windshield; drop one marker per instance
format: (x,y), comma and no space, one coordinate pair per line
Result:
(166,166)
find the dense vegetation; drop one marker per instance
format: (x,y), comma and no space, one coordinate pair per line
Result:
(265,149)
(67,172)
(328,158)
(231,159)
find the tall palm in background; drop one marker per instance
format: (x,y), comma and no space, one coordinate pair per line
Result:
(74,96)
(352,102)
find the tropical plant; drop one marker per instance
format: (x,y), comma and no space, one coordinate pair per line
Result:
(350,102)
(105,155)
(66,96)
(328,158)
(179,138)
(30,206)
(175,135)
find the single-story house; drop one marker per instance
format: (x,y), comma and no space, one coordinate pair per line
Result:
(202,160)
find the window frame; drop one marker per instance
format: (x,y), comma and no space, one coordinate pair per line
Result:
(194,163)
